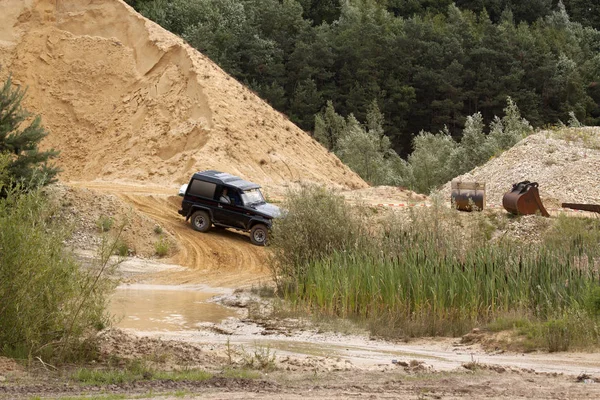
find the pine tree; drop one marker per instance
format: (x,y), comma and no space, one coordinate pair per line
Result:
(19,140)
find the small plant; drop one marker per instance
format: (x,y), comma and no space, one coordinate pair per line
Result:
(136,370)
(105,223)
(158,229)
(121,248)
(229,351)
(162,247)
(263,358)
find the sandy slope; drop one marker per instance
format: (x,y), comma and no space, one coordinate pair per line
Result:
(126,100)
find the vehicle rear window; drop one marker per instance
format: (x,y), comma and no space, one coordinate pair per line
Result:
(202,189)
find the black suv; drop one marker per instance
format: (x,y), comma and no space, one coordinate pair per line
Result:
(221,199)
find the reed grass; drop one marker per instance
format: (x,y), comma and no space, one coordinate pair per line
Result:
(430,274)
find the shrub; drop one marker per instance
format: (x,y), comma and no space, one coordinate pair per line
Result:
(317,223)
(104,223)
(162,247)
(122,248)
(158,229)
(48,304)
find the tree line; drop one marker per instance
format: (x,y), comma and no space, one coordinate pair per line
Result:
(427,63)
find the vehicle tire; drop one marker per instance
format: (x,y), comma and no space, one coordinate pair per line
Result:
(259,234)
(201,221)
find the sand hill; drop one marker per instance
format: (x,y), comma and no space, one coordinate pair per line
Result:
(125,100)
(565,163)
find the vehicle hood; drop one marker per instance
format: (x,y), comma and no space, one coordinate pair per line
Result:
(268,209)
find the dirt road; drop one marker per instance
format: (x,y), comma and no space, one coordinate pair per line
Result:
(220,257)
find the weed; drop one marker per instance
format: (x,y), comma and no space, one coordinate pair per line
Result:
(105,223)
(557,336)
(122,248)
(241,373)
(229,351)
(48,303)
(162,247)
(262,358)
(263,290)
(136,370)
(158,229)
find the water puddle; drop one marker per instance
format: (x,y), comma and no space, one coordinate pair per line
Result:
(165,308)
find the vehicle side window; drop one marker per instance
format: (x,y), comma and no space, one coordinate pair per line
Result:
(235,198)
(202,189)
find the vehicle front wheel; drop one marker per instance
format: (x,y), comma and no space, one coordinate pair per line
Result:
(201,221)
(258,234)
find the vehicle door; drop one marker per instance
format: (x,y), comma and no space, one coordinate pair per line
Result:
(234,214)
(221,213)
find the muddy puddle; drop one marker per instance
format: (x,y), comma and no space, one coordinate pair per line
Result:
(165,307)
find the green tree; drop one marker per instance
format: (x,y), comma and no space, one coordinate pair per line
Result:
(585,12)
(321,11)
(20,136)
(305,103)
(329,127)
(509,130)
(432,160)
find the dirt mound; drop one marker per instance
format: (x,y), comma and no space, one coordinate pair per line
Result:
(89,212)
(565,163)
(125,100)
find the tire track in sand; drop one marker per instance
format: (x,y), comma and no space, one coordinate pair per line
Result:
(222,256)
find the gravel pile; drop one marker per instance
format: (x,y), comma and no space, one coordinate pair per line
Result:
(565,163)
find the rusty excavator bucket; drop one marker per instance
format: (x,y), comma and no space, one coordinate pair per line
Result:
(468,196)
(524,199)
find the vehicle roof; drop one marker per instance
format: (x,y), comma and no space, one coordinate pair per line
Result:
(223,178)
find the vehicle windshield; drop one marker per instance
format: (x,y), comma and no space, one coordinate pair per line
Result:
(253,196)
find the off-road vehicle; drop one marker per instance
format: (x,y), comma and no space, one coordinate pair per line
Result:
(224,200)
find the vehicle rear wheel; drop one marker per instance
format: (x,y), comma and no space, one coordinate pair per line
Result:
(258,234)
(201,221)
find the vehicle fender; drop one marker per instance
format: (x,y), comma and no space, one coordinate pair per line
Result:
(193,209)
(260,220)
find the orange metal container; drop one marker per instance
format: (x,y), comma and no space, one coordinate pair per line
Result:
(524,199)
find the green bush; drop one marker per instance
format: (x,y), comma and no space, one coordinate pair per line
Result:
(162,247)
(317,223)
(48,304)
(105,223)
(122,248)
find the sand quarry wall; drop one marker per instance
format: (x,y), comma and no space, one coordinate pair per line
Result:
(125,100)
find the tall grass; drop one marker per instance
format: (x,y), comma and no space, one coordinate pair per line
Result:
(428,275)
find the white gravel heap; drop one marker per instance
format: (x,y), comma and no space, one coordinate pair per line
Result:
(565,163)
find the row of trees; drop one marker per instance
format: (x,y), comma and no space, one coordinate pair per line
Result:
(436,159)
(428,64)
